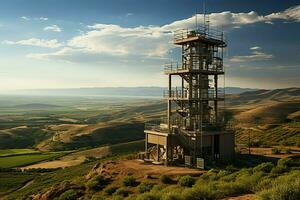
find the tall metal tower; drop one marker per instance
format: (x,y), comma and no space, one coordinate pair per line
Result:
(194,128)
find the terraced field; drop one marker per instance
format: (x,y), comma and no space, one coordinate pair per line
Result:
(12,161)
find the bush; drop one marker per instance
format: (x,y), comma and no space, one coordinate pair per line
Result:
(96,183)
(275,151)
(172,196)
(110,190)
(285,162)
(290,191)
(166,179)
(122,192)
(69,195)
(264,167)
(145,187)
(278,170)
(200,193)
(148,196)
(129,181)
(89,159)
(186,181)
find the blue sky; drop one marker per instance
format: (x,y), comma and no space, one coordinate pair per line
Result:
(97,43)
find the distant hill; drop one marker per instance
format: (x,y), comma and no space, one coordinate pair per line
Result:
(114,91)
(265,96)
(37,106)
(271,117)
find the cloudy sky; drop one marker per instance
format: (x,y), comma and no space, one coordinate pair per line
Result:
(100,43)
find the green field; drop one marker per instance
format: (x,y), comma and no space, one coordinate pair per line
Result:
(11,152)
(23,160)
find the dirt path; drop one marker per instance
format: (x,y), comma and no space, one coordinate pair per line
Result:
(151,169)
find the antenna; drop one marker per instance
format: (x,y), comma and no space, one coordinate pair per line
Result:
(204,13)
(196,18)
(205,19)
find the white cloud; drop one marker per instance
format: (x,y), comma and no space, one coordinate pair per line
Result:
(153,42)
(292,13)
(255,56)
(25,18)
(43,18)
(229,19)
(53,28)
(129,14)
(35,42)
(269,22)
(255,48)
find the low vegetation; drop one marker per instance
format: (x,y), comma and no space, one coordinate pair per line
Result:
(129,181)
(27,159)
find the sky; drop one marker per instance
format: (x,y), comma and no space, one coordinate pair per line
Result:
(110,43)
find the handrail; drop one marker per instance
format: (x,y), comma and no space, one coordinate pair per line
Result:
(215,66)
(200,31)
(210,93)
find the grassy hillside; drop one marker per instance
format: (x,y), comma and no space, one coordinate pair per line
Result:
(94,181)
(270,135)
(79,122)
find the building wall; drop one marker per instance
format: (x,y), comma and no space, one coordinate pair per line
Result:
(227,144)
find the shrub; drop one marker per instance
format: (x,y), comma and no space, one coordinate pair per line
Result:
(285,162)
(186,181)
(89,159)
(264,184)
(172,196)
(122,192)
(288,190)
(275,151)
(166,179)
(204,192)
(145,187)
(157,188)
(264,167)
(69,195)
(110,190)
(97,197)
(129,181)
(96,183)
(278,170)
(230,189)
(148,196)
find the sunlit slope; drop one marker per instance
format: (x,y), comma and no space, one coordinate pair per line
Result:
(275,112)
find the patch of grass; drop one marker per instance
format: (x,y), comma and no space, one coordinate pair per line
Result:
(123,192)
(97,183)
(264,167)
(110,190)
(11,181)
(11,152)
(282,189)
(166,179)
(23,160)
(145,187)
(129,181)
(186,181)
(69,195)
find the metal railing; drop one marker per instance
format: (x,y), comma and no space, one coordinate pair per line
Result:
(201,31)
(184,94)
(156,127)
(215,66)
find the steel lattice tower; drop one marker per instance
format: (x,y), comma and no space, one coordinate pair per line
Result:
(194,127)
